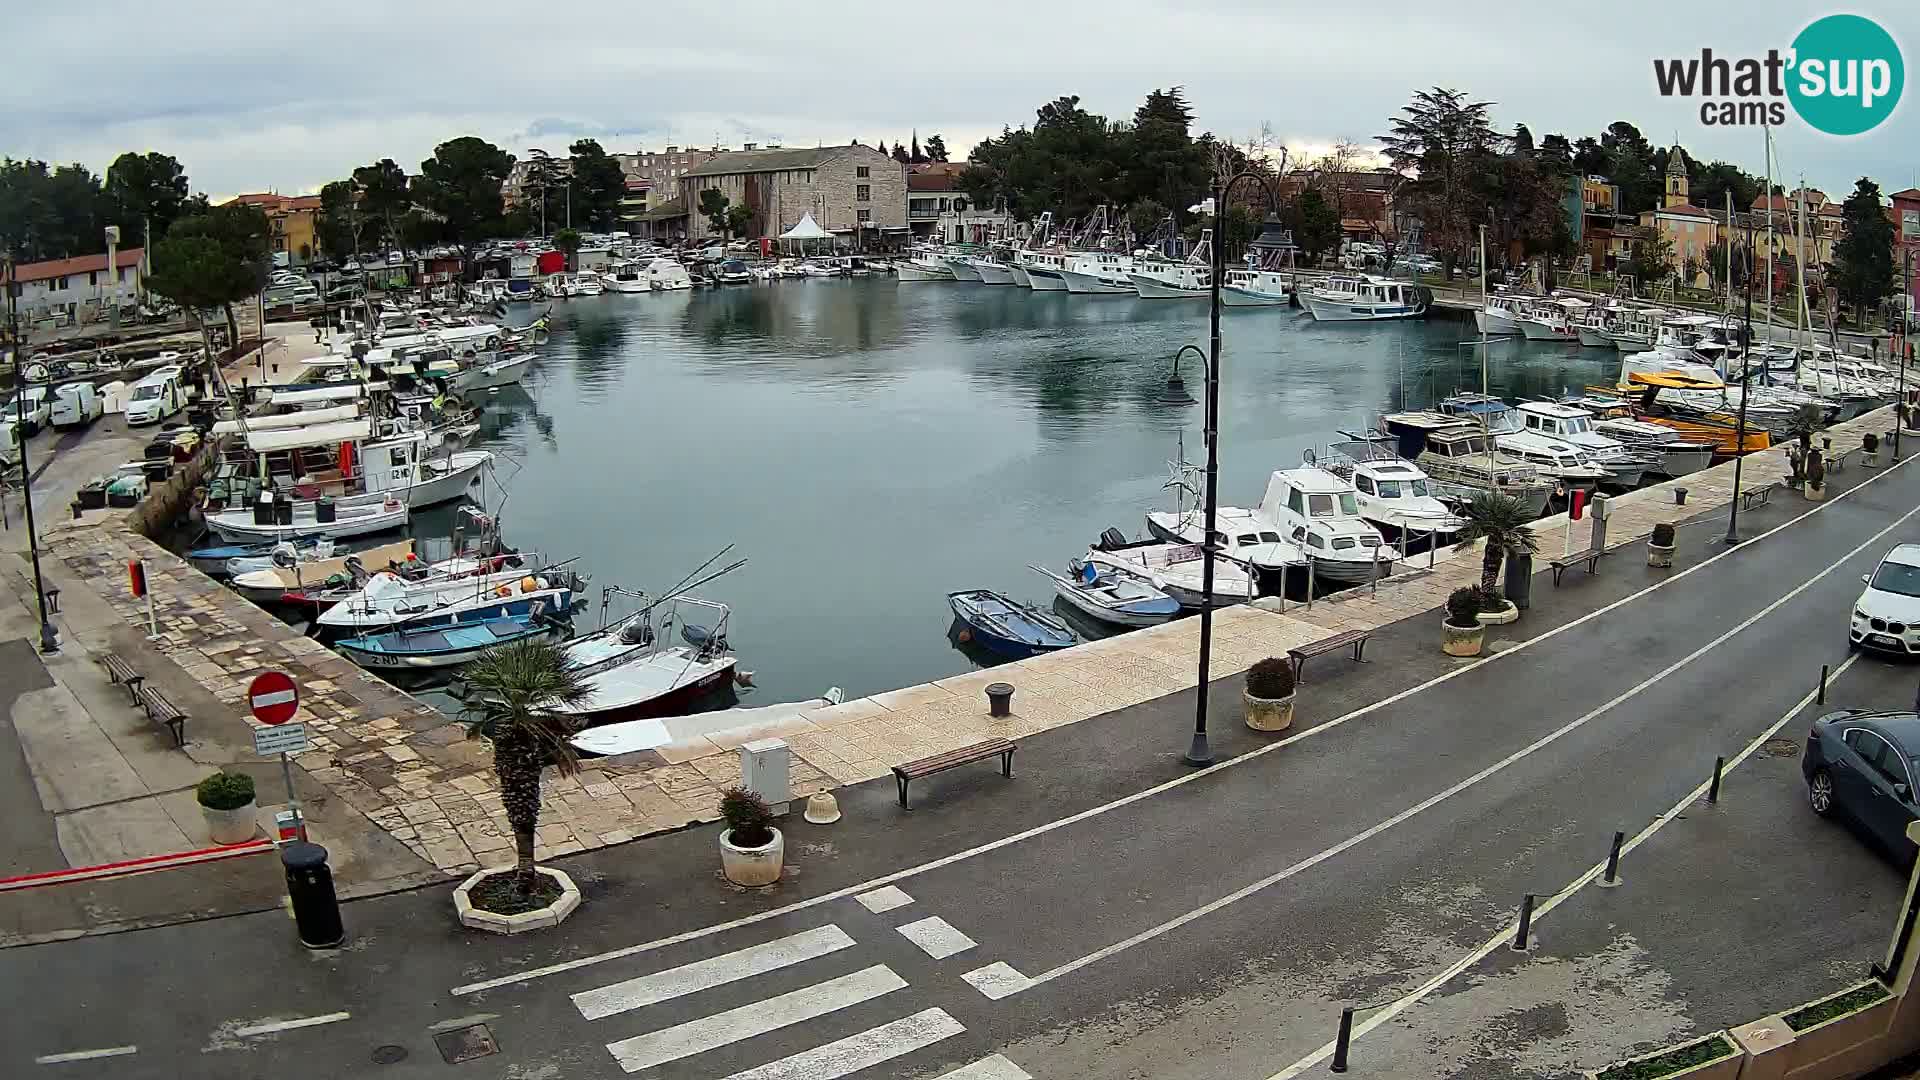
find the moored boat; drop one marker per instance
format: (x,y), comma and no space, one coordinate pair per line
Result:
(1112,594)
(425,647)
(1006,626)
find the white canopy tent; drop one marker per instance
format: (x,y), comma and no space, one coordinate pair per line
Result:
(807,230)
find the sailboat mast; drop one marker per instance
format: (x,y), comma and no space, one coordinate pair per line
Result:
(1493,482)
(1769,194)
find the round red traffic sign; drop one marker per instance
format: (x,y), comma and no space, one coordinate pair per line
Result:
(274,697)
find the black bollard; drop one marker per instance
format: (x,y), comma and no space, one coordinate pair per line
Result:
(1526,923)
(1612,876)
(316,911)
(1341,1040)
(999,699)
(1822,698)
(1713,791)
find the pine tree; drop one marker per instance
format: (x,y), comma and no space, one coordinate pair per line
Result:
(1863,259)
(914,155)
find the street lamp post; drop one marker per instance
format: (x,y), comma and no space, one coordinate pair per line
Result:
(1200,752)
(49,641)
(1740,420)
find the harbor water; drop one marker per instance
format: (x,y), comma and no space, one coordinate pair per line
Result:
(871,446)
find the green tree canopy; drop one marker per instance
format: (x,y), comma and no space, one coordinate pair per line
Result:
(1315,224)
(461,184)
(1444,142)
(52,213)
(1863,259)
(936,148)
(739,220)
(713,207)
(568,241)
(598,186)
(341,228)
(385,194)
(148,192)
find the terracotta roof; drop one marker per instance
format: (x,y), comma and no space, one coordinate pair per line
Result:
(83,264)
(302,202)
(274,203)
(1683,210)
(940,181)
(1910,193)
(934,168)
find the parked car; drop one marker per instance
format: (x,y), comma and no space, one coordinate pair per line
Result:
(1859,765)
(32,408)
(77,404)
(156,397)
(1887,614)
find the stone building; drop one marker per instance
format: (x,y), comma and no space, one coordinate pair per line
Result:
(661,172)
(855,192)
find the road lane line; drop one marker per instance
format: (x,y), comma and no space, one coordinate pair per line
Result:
(275,1026)
(85,1055)
(993,1067)
(1447,793)
(855,1052)
(936,937)
(1505,935)
(1127,800)
(716,971)
(755,1018)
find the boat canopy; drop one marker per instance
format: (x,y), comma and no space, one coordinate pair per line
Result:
(266,442)
(315,395)
(284,421)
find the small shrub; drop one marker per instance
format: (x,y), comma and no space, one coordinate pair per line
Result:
(1662,535)
(1870,443)
(1491,600)
(1839,1005)
(1270,678)
(1463,607)
(749,816)
(1816,470)
(225,791)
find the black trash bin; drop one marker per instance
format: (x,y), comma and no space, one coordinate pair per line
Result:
(1519,581)
(316,911)
(282,510)
(263,509)
(323,510)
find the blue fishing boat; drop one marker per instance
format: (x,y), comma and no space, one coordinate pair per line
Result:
(212,561)
(447,645)
(1006,626)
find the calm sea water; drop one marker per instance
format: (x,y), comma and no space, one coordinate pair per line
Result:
(871,446)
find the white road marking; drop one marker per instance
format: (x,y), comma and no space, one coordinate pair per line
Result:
(856,1052)
(997,980)
(884,899)
(1439,797)
(85,1055)
(463,1021)
(715,971)
(1128,800)
(993,1067)
(1504,936)
(275,1026)
(756,1018)
(936,937)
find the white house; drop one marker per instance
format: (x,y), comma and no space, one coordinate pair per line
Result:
(78,288)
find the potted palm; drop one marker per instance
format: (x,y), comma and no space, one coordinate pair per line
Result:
(1268,696)
(1501,520)
(226,801)
(1660,546)
(1870,450)
(515,697)
(1816,476)
(752,851)
(1461,632)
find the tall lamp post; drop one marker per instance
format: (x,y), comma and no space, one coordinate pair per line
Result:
(49,641)
(1740,416)
(1200,753)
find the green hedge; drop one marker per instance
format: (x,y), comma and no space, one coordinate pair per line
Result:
(1709,1049)
(1822,1011)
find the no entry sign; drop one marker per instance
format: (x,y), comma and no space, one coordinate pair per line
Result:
(273,697)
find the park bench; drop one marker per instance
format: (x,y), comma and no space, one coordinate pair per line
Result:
(121,673)
(1562,564)
(1753,497)
(1837,460)
(1355,638)
(953,759)
(162,711)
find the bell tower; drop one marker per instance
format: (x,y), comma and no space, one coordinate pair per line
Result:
(1677,177)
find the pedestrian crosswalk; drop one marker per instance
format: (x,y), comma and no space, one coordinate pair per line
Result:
(678,1044)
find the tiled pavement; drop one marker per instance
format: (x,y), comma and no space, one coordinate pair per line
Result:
(411,770)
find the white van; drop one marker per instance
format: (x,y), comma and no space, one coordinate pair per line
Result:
(77,404)
(156,397)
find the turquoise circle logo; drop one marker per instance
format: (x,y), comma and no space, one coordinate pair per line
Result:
(1847,74)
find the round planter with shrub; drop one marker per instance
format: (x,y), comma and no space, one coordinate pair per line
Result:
(1660,546)
(1816,489)
(1268,697)
(1461,631)
(226,800)
(1496,610)
(1870,450)
(752,851)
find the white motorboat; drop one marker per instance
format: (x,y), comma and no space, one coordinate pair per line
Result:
(665,275)
(1500,315)
(628,278)
(502,372)
(1462,460)
(1171,281)
(631,672)
(1245,536)
(587,283)
(1112,594)
(634,736)
(924,268)
(1574,425)
(442,595)
(1175,569)
(284,554)
(1367,299)
(308,519)
(1569,465)
(1552,319)
(1394,494)
(1677,456)
(1320,511)
(1099,273)
(1043,269)
(1256,288)
(962,268)
(991,272)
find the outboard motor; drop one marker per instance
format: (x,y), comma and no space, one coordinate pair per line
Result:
(702,638)
(284,556)
(1111,539)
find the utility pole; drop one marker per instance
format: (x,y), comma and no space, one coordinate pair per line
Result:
(1740,420)
(1902,352)
(49,642)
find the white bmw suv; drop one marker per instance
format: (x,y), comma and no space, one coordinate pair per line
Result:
(1887,615)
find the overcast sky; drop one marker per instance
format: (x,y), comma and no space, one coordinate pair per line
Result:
(288,96)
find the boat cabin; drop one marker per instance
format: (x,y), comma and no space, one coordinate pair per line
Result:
(1319,511)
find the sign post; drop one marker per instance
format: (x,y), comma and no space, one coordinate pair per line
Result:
(1576,502)
(274,699)
(137,581)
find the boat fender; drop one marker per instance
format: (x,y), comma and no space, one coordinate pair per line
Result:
(743,677)
(528,584)
(503,591)
(965,635)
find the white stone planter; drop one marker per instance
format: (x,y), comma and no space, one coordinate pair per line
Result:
(1659,556)
(1724,1067)
(1815,494)
(551,915)
(1507,613)
(1461,640)
(235,826)
(1268,714)
(753,867)
(1869,461)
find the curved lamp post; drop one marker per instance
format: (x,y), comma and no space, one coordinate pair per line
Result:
(1200,753)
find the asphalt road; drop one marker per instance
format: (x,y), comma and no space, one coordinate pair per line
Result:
(1213,926)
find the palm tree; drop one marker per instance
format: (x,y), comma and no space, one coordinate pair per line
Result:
(515,694)
(568,241)
(1503,521)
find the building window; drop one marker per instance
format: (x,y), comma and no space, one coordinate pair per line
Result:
(93,278)
(862,193)
(57,284)
(946,205)
(866,216)
(862,171)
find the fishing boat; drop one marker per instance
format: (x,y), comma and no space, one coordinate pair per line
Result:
(1005,626)
(1395,495)
(1256,288)
(319,519)
(962,269)
(1367,299)
(284,553)
(1175,569)
(273,584)
(214,560)
(386,602)
(1044,270)
(1242,536)
(1567,464)
(1462,461)
(1098,273)
(394,596)
(1319,511)
(1574,425)
(631,672)
(1553,319)
(1112,594)
(1500,315)
(634,736)
(502,372)
(924,268)
(1156,278)
(423,647)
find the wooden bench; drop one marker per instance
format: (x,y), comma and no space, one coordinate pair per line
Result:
(122,674)
(162,711)
(1837,461)
(1356,638)
(1753,497)
(1585,555)
(953,759)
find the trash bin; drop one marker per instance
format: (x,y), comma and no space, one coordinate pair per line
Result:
(323,510)
(1519,581)
(282,511)
(263,509)
(316,911)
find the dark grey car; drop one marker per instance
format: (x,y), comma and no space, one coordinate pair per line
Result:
(1860,765)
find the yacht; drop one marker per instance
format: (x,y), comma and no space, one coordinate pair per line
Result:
(1549,319)
(1462,460)
(1395,495)
(1565,422)
(1256,288)
(1241,535)
(1367,299)
(1320,511)
(1573,467)
(1500,315)
(1099,272)
(627,278)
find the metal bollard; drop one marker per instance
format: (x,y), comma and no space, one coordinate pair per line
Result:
(1341,1040)
(999,699)
(1679,496)
(1309,583)
(1612,876)
(1822,698)
(1526,923)
(1713,790)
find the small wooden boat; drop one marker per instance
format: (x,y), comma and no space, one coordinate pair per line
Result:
(445,646)
(273,585)
(213,559)
(1112,594)
(1006,626)
(285,553)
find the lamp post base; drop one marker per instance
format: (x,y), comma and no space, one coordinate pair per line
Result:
(1200,754)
